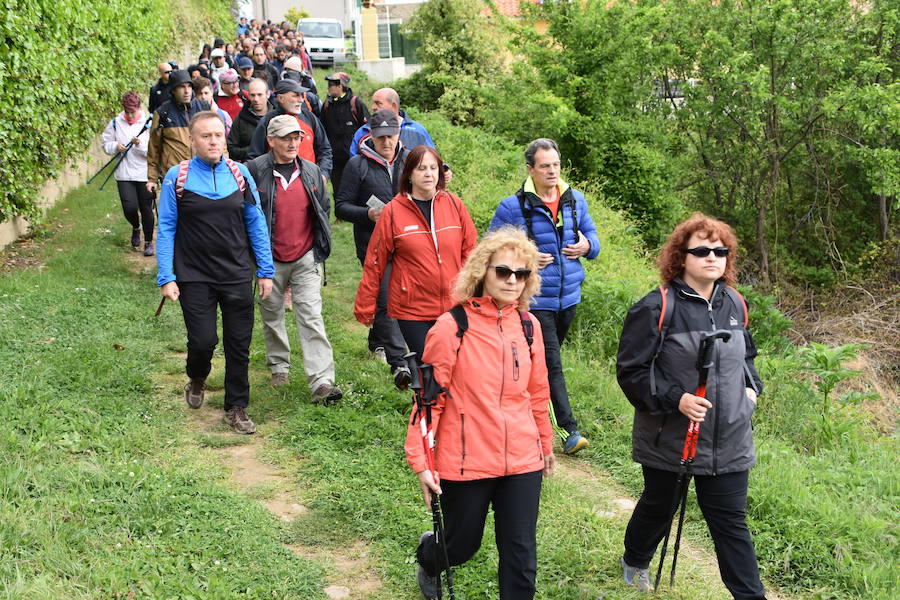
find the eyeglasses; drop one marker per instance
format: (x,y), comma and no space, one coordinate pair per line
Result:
(503,272)
(703,251)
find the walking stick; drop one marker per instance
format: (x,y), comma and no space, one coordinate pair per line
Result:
(121,155)
(426,391)
(683,483)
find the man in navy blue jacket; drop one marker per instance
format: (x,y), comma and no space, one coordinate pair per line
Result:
(556,218)
(209,222)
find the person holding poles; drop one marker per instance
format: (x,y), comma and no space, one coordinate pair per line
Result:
(211,232)
(686,361)
(492,432)
(127,137)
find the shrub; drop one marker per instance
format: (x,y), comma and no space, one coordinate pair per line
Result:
(54,107)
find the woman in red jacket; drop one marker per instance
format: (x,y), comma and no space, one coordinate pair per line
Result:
(426,233)
(494,438)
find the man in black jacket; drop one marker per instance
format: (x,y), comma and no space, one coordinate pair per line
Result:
(342,114)
(159,93)
(297,209)
(314,145)
(245,123)
(370,181)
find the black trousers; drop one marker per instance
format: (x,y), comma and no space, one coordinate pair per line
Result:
(198,306)
(723,500)
(137,206)
(414,332)
(555,325)
(385,332)
(515,500)
(337,172)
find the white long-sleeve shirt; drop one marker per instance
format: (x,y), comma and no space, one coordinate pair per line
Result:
(118,131)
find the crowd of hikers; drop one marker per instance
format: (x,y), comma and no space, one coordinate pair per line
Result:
(243,154)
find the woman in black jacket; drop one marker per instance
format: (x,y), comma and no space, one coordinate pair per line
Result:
(657,370)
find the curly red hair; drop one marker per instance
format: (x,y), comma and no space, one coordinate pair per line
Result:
(671,256)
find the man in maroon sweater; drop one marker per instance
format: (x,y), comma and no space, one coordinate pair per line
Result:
(297,208)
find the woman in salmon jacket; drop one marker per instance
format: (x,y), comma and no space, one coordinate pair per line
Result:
(493,432)
(426,233)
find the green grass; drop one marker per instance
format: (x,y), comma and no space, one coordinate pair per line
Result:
(102,491)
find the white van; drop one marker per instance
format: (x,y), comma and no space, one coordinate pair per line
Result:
(324,40)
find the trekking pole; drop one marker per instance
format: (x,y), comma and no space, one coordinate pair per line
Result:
(688,452)
(426,391)
(100,170)
(121,155)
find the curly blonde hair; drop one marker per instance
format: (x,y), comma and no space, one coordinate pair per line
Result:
(470,281)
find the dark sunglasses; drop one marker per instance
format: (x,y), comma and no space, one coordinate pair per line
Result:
(703,251)
(503,272)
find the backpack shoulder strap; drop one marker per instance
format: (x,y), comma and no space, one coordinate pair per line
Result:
(738,300)
(527,328)
(236,172)
(526,214)
(181,179)
(665,319)
(459,315)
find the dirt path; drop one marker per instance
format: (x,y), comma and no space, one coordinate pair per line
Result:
(349,570)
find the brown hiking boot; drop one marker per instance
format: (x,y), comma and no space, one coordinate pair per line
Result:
(327,394)
(279,379)
(193,392)
(238,420)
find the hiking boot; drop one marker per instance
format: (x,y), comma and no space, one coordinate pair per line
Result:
(379,354)
(636,577)
(327,394)
(402,376)
(136,239)
(238,420)
(193,392)
(279,378)
(149,250)
(575,443)
(428,585)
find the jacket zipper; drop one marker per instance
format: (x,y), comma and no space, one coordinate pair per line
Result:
(712,323)
(500,400)
(660,429)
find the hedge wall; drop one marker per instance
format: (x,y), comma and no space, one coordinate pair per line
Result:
(63,67)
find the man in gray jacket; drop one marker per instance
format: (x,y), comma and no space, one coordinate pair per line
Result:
(297,207)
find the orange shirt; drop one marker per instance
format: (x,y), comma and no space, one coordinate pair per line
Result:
(553,205)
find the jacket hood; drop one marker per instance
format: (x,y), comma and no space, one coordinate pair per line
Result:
(367,149)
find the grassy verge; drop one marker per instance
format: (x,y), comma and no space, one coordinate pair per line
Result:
(104,493)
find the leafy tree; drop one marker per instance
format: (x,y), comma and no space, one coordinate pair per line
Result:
(294,14)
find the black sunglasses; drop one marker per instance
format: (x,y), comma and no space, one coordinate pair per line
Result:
(703,251)
(503,272)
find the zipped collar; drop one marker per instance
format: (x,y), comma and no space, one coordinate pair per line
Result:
(205,166)
(688,292)
(487,306)
(528,187)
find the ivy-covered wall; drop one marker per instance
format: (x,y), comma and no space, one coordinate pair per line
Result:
(63,67)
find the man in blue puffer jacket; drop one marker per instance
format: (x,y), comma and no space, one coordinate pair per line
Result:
(556,218)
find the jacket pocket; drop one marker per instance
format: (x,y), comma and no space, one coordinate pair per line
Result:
(515,362)
(462,443)
(659,430)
